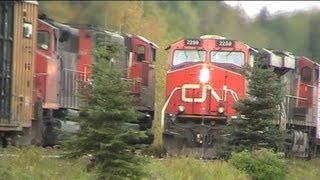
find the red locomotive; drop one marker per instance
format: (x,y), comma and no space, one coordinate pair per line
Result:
(39,85)
(205,80)
(202,85)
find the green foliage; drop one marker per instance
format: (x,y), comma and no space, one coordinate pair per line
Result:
(104,116)
(39,164)
(260,108)
(190,168)
(260,164)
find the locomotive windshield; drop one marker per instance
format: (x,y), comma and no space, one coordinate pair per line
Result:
(188,56)
(227,57)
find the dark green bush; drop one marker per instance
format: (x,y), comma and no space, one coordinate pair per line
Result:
(261,164)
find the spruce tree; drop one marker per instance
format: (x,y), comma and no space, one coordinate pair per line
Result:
(105,112)
(255,129)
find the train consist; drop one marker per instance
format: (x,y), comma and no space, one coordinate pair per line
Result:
(205,80)
(42,62)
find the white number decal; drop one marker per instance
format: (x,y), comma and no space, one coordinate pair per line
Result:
(192,42)
(225,43)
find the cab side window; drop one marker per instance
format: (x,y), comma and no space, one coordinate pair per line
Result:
(43,40)
(153,55)
(140,53)
(306,74)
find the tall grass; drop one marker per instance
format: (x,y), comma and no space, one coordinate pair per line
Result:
(31,164)
(302,169)
(187,168)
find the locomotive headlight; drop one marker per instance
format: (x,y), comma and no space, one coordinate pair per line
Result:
(181,108)
(220,109)
(204,75)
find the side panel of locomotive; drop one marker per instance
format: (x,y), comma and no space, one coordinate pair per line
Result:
(86,44)
(299,109)
(18,44)
(136,62)
(68,49)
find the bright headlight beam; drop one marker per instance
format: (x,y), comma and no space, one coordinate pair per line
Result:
(204,75)
(181,108)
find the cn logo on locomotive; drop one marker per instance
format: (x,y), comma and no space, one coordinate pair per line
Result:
(203,97)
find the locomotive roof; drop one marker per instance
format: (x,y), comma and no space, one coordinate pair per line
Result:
(72,30)
(48,24)
(145,39)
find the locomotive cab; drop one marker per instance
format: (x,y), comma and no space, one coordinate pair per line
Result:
(204,81)
(141,72)
(47,66)
(55,82)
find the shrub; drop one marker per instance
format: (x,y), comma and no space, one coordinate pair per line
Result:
(260,164)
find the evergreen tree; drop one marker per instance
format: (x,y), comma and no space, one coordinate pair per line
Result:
(260,108)
(103,118)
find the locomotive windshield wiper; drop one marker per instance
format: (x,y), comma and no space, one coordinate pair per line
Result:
(229,53)
(185,53)
(199,55)
(213,55)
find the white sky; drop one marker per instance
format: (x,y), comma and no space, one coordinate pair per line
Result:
(252,8)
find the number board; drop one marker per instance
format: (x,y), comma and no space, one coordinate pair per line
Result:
(192,42)
(225,43)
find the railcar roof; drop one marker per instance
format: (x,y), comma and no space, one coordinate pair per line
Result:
(32,2)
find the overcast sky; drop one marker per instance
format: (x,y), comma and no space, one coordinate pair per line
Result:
(252,8)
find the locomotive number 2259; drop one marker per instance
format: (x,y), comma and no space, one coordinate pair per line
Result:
(192,42)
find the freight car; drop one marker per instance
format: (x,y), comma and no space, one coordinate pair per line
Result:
(42,63)
(18,43)
(199,104)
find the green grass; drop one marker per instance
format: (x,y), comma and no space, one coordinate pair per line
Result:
(30,164)
(187,168)
(302,169)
